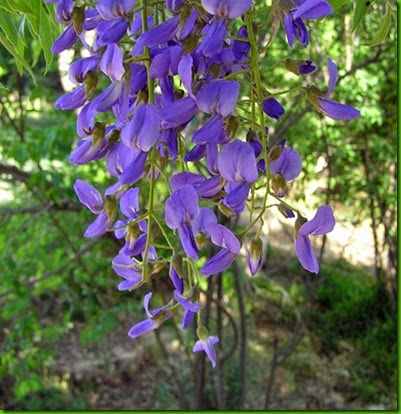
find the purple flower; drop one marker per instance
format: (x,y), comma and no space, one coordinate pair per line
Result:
(111,31)
(159,34)
(236,196)
(211,131)
(322,223)
(143,130)
(81,67)
(135,169)
(312,9)
(112,9)
(227,8)
(185,71)
(111,62)
(154,319)
(178,113)
(295,27)
(237,162)
(176,280)
(299,67)
(181,208)
(190,309)
(255,258)
(126,268)
(64,11)
(333,109)
(207,345)
(218,97)
(108,98)
(222,237)
(273,108)
(72,100)
(307,9)
(213,37)
(91,199)
(165,63)
(65,40)
(288,164)
(88,150)
(135,235)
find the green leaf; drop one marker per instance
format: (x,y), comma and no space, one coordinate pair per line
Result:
(361,8)
(41,27)
(337,4)
(17,6)
(7,23)
(45,36)
(383,31)
(13,51)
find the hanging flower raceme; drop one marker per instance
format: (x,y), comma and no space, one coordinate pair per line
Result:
(159,97)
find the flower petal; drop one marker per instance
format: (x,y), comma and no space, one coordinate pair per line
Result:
(322,223)
(89,196)
(305,253)
(336,110)
(218,263)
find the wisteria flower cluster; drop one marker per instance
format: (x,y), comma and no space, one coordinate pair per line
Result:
(154,67)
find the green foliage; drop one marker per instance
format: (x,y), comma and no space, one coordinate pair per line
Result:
(352,307)
(20,22)
(35,316)
(51,399)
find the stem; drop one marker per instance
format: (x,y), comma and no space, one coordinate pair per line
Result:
(285,203)
(259,94)
(151,100)
(163,232)
(243,337)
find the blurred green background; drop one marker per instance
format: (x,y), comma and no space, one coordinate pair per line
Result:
(332,339)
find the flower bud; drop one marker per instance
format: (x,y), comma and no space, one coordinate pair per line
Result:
(299,67)
(255,255)
(110,206)
(90,83)
(251,136)
(113,137)
(190,43)
(133,231)
(312,93)
(176,279)
(275,153)
(176,261)
(227,211)
(78,19)
(279,185)
(232,125)
(285,211)
(202,333)
(298,224)
(200,240)
(98,133)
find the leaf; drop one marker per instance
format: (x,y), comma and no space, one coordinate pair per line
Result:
(21,45)
(45,36)
(17,6)
(40,25)
(13,51)
(337,4)
(7,23)
(383,31)
(361,9)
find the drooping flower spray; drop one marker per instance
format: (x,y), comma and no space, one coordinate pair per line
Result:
(153,68)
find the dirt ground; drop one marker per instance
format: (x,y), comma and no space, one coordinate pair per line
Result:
(119,374)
